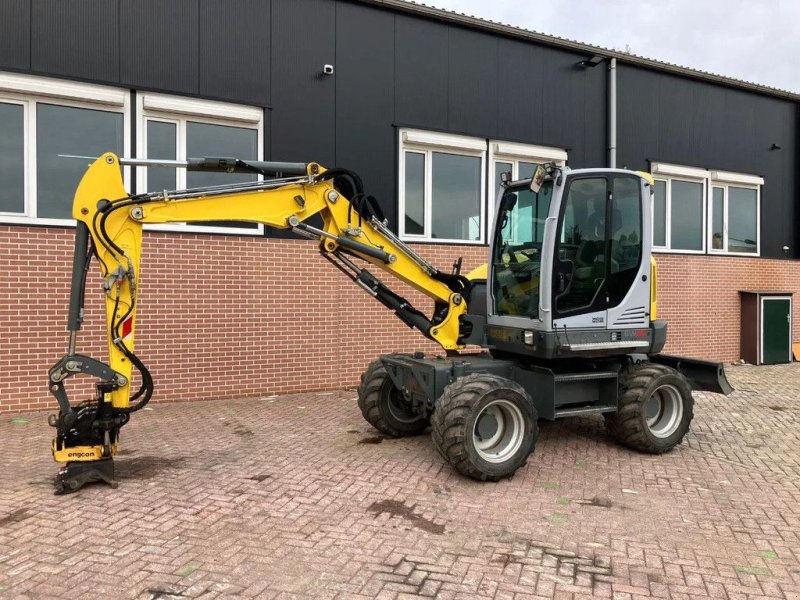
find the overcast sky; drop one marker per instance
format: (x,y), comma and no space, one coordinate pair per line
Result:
(754,40)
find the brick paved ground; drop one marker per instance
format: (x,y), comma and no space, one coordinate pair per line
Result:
(297,497)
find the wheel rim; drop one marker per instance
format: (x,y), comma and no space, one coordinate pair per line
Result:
(397,408)
(498,431)
(663,411)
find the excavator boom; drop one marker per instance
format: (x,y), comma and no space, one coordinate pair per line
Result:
(109,228)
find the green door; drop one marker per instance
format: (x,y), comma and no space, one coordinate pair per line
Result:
(776,334)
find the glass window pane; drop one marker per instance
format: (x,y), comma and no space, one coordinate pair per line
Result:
(626,237)
(517,255)
(581,263)
(203,139)
(415,193)
(686,212)
(742,220)
(161,143)
(456,197)
(68,130)
(500,168)
(12,158)
(526,170)
(660,214)
(523,225)
(717,217)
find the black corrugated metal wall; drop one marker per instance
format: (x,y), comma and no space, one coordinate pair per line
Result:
(397,69)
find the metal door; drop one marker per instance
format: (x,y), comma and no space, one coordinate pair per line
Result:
(776,330)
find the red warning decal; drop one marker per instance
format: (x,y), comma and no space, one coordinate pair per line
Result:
(127,327)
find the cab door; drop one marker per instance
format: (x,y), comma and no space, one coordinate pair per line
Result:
(598,252)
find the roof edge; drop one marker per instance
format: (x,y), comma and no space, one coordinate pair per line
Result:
(550,40)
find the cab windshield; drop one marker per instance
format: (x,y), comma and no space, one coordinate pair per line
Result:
(517,253)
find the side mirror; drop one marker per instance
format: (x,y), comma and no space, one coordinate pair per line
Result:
(537,179)
(508,202)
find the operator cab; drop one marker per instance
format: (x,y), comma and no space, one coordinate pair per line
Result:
(569,271)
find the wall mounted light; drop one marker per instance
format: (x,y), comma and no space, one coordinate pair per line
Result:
(592,62)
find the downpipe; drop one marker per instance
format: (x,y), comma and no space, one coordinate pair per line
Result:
(612,113)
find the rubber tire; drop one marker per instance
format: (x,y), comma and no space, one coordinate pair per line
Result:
(454,420)
(629,426)
(373,400)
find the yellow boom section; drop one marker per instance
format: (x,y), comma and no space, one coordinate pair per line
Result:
(115,222)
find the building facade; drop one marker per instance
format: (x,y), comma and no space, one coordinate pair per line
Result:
(426,105)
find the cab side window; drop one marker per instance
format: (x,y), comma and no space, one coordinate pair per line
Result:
(581,259)
(625,237)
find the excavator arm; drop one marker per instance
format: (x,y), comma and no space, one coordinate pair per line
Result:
(109,228)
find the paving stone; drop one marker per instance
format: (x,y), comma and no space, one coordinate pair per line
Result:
(257,499)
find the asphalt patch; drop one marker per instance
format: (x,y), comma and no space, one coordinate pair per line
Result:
(159,594)
(398,509)
(378,439)
(15,517)
(596,501)
(145,467)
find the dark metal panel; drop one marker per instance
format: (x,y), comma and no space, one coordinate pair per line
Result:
(564,107)
(421,72)
(595,127)
(303,116)
(234,50)
(520,82)
(587,50)
(76,38)
(15,29)
(775,122)
(158,45)
(365,137)
(638,111)
(472,82)
(666,118)
(707,120)
(675,134)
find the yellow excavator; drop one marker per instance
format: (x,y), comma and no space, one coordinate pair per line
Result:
(565,311)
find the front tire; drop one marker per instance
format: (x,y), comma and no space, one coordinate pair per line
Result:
(655,408)
(485,426)
(383,405)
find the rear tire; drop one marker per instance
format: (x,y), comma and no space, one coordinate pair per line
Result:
(383,405)
(485,426)
(655,408)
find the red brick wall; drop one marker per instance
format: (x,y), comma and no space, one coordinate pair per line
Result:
(699,298)
(229,316)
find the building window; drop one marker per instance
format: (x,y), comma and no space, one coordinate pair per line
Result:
(679,208)
(49,128)
(734,213)
(442,187)
(521,161)
(683,196)
(173,128)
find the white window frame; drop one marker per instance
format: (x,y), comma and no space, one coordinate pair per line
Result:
(726,180)
(29,91)
(667,174)
(177,110)
(427,142)
(514,153)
